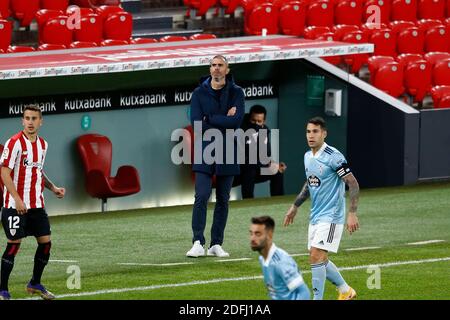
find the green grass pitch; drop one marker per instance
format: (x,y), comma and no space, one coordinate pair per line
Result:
(120,255)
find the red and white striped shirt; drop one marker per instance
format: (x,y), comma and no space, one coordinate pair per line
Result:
(26,160)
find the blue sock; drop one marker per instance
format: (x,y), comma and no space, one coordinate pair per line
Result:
(335,277)
(319,273)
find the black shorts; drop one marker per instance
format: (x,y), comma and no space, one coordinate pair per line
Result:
(33,223)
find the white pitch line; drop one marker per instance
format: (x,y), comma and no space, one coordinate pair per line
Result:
(155,264)
(362,248)
(232,260)
(200,282)
(424,242)
(63,261)
(299,254)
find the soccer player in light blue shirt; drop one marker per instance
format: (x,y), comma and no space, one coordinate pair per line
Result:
(281,274)
(327,173)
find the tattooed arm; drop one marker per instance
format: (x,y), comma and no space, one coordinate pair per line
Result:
(301,197)
(353,186)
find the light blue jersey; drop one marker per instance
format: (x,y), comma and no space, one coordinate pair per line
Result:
(282,277)
(324,171)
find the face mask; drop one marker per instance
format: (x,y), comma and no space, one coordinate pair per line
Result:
(256,126)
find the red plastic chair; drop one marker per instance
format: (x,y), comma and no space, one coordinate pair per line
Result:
(50,46)
(292,18)
(405,10)
(105,11)
(264,16)
(200,7)
(433,57)
(118,26)
(426,24)
(406,58)
(389,78)
(83,11)
(55,4)
(170,38)
(82,44)
(142,40)
(230,5)
(348,12)
(410,40)
(312,32)
(383,5)
(330,36)
(202,36)
(441,73)
(385,42)
(15,49)
(355,61)
(441,96)
(375,62)
(431,9)
(5,34)
(86,3)
(91,29)
(24,10)
(417,77)
(55,31)
(368,28)
(42,16)
(113,42)
(398,26)
(437,39)
(4,9)
(96,155)
(341,30)
(320,13)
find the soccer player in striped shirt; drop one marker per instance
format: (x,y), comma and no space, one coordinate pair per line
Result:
(281,274)
(327,173)
(23,212)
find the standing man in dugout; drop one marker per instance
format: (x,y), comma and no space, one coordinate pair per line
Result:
(23,212)
(217,103)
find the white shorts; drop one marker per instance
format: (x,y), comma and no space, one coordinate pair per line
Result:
(325,236)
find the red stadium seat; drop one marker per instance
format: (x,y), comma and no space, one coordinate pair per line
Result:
(320,13)
(433,57)
(4,9)
(264,16)
(142,40)
(48,46)
(200,7)
(441,72)
(330,36)
(405,10)
(113,42)
(348,12)
(426,24)
(292,18)
(86,3)
(375,62)
(437,39)
(385,42)
(406,58)
(96,155)
(355,61)
(417,77)
(91,29)
(389,78)
(441,96)
(398,26)
(82,44)
(410,40)
(1,181)
(105,11)
(341,30)
(202,36)
(313,32)
(230,5)
(369,28)
(42,16)
(172,38)
(384,7)
(14,49)
(55,31)
(5,34)
(118,26)
(83,11)
(54,4)
(24,10)
(431,9)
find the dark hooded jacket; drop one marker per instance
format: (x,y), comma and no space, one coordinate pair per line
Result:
(212,112)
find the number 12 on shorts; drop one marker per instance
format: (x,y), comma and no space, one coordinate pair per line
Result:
(14,222)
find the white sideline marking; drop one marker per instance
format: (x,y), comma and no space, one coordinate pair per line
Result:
(63,261)
(362,248)
(424,242)
(155,264)
(192,283)
(299,254)
(228,260)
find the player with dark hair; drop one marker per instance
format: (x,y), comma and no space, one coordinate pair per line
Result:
(23,212)
(281,274)
(327,173)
